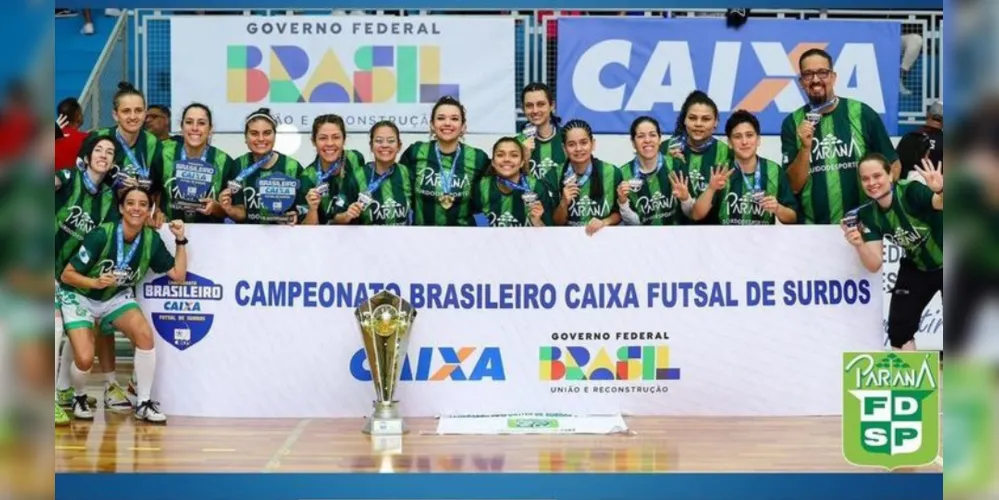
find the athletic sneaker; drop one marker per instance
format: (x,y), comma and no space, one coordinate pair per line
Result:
(81,408)
(63,13)
(115,398)
(61,418)
(150,412)
(64,397)
(131,394)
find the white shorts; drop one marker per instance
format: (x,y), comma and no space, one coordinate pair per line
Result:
(82,312)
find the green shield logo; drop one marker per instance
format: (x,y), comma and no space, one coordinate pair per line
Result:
(891,408)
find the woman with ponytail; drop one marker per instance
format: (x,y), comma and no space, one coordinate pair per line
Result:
(332,166)
(541,139)
(650,194)
(589,186)
(138,148)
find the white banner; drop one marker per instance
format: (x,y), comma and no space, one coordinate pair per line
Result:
(643,321)
(365,69)
(929,337)
(531,423)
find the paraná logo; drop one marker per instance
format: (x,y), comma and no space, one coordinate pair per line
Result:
(891,408)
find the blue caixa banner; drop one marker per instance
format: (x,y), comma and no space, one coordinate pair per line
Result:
(611,71)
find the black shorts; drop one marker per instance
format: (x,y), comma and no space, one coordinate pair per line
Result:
(914,289)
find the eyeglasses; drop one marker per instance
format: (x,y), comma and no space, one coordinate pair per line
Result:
(823,74)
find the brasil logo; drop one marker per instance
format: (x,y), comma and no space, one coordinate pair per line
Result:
(891,408)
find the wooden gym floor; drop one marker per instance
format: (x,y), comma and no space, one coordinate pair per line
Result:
(118,443)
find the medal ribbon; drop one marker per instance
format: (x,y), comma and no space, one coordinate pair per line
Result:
(637,167)
(123,260)
(449,176)
(140,168)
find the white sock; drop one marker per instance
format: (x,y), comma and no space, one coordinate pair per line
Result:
(110,378)
(145,370)
(63,380)
(79,378)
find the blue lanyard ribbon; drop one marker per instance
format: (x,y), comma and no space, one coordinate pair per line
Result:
(822,108)
(123,260)
(698,149)
(522,186)
(758,176)
(447,177)
(248,171)
(130,153)
(323,176)
(637,167)
(377,183)
(204,154)
(87,182)
(580,180)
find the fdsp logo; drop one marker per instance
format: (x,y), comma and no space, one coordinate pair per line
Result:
(436,364)
(632,67)
(632,363)
(381,74)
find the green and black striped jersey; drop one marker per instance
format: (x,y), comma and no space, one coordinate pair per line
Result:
(697,166)
(735,205)
(334,181)
(910,222)
(842,138)
(98,255)
(146,150)
(434,205)
(78,212)
(270,193)
(391,196)
(597,196)
(654,203)
(508,209)
(546,159)
(183,183)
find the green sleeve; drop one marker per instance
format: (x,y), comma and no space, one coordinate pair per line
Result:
(919,197)
(359,157)
(788,141)
(481,165)
(870,229)
(229,171)
(160,261)
(546,200)
(65,176)
(877,135)
(238,199)
(476,204)
(305,183)
(90,251)
(785,196)
(409,155)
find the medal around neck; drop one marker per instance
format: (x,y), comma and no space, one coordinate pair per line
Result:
(758,197)
(530,131)
(851,219)
(385,321)
(530,198)
(446,201)
(323,189)
(813,117)
(365,198)
(635,184)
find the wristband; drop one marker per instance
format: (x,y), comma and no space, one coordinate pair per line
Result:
(182,242)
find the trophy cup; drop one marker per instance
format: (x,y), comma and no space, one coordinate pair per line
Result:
(385,321)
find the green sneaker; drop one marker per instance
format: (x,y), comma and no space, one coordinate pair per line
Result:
(64,398)
(61,418)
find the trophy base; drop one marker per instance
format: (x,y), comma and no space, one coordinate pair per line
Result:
(385,421)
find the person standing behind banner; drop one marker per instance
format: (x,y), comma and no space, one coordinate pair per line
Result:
(333,164)
(589,186)
(693,149)
(540,137)
(269,187)
(191,173)
(824,140)
(758,192)
(381,192)
(508,195)
(927,142)
(444,169)
(139,149)
(650,194)
(910,214)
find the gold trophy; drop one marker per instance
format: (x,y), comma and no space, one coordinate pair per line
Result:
(385,321)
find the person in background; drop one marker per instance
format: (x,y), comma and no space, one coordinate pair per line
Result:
(927,142)
(909,214)
(67,146)
(759,193)
(191,172)
(508,195)
(650,194)
(589,186)
(158,118)
(693,149)
(269,187)
(824,140)
(445,169)
(540,137)
(381,192)
(332,165)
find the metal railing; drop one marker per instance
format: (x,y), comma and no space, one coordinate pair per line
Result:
(112,67)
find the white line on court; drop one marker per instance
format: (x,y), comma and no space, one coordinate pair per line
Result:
(285,448)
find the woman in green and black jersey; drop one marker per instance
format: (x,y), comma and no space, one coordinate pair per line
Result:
(444,169)
(650,194)
(98,284)
(508,195)
(139,149)
(909,214)
(269,187)
(192,173)
(381,192)
(332,165)
(589,186)
(693,148)
(541,138)
(755,191)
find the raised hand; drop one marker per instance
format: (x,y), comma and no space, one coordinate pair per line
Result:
(719,176)
(932,174)
(681,190)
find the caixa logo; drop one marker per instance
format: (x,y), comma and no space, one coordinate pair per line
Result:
(435,364)
(181,312)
